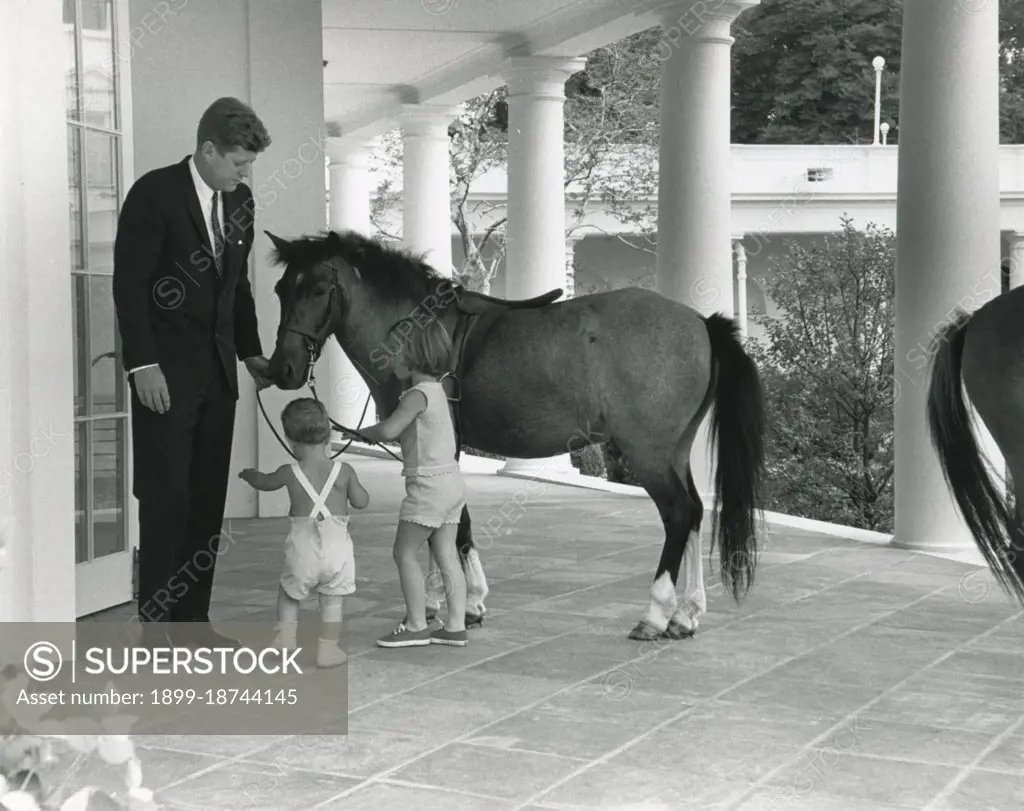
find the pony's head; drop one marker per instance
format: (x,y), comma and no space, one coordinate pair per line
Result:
(351,286)
(314,293)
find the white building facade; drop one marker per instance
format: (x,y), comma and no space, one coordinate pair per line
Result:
(97,92)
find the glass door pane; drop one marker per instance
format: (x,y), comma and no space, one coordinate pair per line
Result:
(79,320)
(81,523)
(99,64)
(101,193)
(108,487)
(106,375)
(75,196)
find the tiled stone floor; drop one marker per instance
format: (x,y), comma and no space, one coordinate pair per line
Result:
(853,677)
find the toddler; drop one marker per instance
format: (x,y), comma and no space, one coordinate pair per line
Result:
(435,493)
(318,551)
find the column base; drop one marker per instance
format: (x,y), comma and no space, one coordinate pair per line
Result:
(955,546)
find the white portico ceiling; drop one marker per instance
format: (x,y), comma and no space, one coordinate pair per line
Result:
(383,53)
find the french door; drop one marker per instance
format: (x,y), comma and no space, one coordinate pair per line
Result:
(104,525)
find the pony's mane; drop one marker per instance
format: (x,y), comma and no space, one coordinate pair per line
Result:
(392,272)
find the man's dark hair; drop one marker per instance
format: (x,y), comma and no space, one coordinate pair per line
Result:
(232,124)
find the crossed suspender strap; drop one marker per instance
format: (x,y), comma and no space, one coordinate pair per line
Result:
(319,499)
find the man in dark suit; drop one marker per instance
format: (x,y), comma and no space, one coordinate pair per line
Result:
(186,315)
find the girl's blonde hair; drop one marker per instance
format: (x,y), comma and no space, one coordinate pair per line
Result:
(425,348)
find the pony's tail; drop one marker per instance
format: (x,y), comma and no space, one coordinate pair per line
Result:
(737,429)
(983,507)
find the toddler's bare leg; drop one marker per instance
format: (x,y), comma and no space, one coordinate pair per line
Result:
(287,619)
(329,653)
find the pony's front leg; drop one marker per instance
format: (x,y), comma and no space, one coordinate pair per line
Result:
(694,601)
(476,581)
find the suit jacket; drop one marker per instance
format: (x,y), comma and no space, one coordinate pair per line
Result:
(171,307)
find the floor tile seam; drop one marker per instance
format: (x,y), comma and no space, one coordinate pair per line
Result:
(965,771)
(476,795)
(796,600)
(520,750)
(757,613)
(460,669)
(398,606)
(915,761)
(760,783)
(619,750)
(646,655)
(230,761)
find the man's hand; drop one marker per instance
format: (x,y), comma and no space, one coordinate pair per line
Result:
(151,388)
(259,368)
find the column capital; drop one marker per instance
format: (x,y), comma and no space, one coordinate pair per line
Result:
(701,20)
(349,151)
(1015,238)
(541,76)
(427,119)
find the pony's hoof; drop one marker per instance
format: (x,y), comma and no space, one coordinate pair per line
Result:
(645,632)
(474,620)
(676,630)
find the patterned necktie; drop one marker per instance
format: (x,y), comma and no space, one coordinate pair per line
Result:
(218,237)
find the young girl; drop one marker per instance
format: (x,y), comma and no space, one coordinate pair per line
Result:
(435,493)
(318,551)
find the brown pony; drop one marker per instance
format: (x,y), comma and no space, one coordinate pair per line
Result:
(537,379)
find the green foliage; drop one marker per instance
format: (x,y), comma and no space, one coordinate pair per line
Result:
(589,461)
(483,454)
(802,71)
(827,367)
(617,466)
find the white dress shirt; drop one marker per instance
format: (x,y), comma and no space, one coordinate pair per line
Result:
(205,195)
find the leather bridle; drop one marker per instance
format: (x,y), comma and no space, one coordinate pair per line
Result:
(315,342)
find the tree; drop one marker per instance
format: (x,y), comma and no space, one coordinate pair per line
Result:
(802,71)
(609,104)
(828,371)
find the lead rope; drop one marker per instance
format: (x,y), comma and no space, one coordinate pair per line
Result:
(335,425)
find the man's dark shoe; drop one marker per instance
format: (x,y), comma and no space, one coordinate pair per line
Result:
(199,635)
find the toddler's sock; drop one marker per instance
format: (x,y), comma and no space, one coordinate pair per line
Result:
(286,635)
(330,654)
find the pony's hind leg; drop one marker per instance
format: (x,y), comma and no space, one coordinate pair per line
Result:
(676,509)
(694,601)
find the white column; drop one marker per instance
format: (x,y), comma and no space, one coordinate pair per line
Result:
(1016,259)
(348,210)
(948,234)
(535,259)
(37,441)
(426,197)
(741,283)
(694,262)
(286,89)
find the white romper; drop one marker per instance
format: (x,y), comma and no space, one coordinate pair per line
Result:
(318,554)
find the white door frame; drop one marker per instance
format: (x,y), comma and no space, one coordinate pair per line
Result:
(109,581)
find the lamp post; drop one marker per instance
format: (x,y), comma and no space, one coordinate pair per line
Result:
(878,63)
(885,132)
